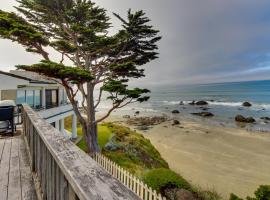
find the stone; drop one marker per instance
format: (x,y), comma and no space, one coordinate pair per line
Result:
(192,103)
(126,116)
(250,120)
(143,128)
(201,103)
(175,112)
(204,109)
(137,112)
(265,118)
(247,104)
(175,122)
(204,114)
(181,103)
(240,118)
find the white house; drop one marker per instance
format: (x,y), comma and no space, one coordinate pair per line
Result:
(45,95)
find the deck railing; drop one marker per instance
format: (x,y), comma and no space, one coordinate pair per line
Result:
(132,182)
(61,170)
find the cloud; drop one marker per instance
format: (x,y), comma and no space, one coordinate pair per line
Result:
(203,41)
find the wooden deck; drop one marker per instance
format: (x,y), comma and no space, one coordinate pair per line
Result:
(15,175)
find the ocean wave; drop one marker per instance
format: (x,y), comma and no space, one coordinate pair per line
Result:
(218,103)
(223,103)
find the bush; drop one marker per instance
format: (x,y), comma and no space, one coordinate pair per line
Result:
(209,194)
(162,178)
(262,193)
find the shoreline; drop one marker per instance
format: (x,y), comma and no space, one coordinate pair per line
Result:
(227,159)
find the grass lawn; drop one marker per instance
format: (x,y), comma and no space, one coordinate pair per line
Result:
(104,134)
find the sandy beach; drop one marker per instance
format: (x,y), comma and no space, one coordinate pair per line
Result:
(226,159)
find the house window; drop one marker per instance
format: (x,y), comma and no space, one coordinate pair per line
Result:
(30,97)
(21,98)
(37,99)
(61,96)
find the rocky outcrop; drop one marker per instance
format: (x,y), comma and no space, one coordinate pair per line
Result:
(247,104)
(192,103)
(181,103)
(175,112)
(265,118)
(137,112)
(242,119)
(146,121)
(204,114)
(175,122)
(201,103)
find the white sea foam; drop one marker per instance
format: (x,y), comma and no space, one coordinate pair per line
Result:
(223,103)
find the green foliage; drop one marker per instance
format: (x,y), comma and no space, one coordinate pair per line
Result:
(262,193)
(59,71)
(209,194)
(79,30)
(161,178)
(117,88)
(18,29)
(136,153)
(104,134)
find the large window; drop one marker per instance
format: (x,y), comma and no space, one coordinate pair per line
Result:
(37,98)
(51,98)
(30,97)
(61,96)
(20,97)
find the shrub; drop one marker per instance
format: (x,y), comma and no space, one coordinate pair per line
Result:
(209,194)
(262,193)
(162,178)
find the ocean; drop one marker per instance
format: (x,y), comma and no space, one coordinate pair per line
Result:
(224,99)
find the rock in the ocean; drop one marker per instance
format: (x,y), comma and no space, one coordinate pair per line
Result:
(247,104)
(265,118)
(250,120)
(204,109)
(175,112)
(204,114)
(126,116)
(201,103)
(192,103)
(137,112)
(241,118)
(175,122)
(181,103)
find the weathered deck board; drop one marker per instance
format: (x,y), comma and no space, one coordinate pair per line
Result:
(2,144)
(28,188)
(15,175)
(4,169)
(14,185)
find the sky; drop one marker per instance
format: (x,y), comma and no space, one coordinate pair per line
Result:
(202,41)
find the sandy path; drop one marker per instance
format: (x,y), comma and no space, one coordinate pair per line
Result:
(227,159)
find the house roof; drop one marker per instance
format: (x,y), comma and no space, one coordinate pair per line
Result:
(29,76)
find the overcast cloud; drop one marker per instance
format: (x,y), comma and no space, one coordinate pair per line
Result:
(203,40)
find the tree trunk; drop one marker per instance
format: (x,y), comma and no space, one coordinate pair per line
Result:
(91,138)
(90,131)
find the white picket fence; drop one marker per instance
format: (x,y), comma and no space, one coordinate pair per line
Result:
(129,180)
